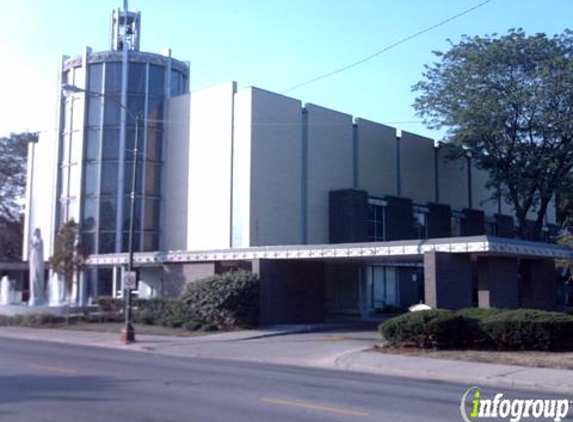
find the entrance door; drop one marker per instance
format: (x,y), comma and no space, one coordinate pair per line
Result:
(384,286)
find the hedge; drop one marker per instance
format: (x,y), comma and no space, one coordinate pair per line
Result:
(226,300)
(223,301)
(523,329)
(435,328)
(528,329)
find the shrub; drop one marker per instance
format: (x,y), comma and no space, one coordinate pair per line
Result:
(110,305)
(473,318)
(435,328)
(39,319)
(31,320)
(479,314)
(528,329)
(226,300)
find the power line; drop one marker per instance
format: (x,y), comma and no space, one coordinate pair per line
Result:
(391,46)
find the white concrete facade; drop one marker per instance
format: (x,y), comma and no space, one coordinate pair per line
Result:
(260,167)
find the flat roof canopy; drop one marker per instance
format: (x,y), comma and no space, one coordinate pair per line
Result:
(403,249)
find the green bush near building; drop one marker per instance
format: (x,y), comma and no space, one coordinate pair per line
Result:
(223,301)
(228,300)
(522,329)
(425,329)
(529,329)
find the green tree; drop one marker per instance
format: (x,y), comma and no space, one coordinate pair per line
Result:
(509,101)
(68,259)
(13,156)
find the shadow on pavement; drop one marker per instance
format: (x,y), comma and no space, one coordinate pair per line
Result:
(24,388)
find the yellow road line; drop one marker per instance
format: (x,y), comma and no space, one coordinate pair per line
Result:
(310,406)
(334,338)
(56,369)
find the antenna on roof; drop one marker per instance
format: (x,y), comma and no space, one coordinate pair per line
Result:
(125,28)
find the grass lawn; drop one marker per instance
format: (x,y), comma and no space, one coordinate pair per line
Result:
(115,327)
(556,360)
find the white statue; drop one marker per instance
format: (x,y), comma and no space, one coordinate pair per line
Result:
(5,294)
(37,295)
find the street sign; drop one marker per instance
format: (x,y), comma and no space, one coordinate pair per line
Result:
(129,280)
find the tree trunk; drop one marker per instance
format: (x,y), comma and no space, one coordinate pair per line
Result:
(538,228)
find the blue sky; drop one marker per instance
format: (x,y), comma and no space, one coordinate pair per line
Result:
(271,44)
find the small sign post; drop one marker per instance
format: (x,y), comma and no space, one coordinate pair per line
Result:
(130,280)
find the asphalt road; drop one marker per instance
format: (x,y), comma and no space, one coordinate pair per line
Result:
(55,382)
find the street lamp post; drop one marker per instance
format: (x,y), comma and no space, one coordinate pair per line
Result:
(127,334)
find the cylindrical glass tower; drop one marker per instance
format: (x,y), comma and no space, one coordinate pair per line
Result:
(98,137)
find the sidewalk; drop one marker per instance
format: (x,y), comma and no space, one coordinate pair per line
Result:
(307,346)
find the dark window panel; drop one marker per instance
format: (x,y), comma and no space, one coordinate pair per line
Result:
(112,110)
(109,178)
(127,210)
(89,220)
(151,214)
(94,110)
(128,177)
(153,180)
(156,80)
(110,144)
(136,241)
(113,78)
(107,242)
(155,111)
(91,179)
(154,145)
(150,242)
(129,142)
(95,77)
(175,83)
(136,77)
(87,241)
(92,145)
(136,105)
(108,213)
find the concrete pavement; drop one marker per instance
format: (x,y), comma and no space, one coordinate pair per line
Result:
(42,381)
(321,346)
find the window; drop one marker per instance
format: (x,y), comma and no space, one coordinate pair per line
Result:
(152,180)
(108,213)
(136,105)
(107,242)
(113,78)
(91,179)
(109,178)
(136,241)
(156,80)
(127,211)
(112,110)
(376,220)
(456,223)
(95,74)
(88,243)
(110,144)
(176,88)
(155,111)
(94,110)
(137,75)
(92,145)
(151,214)
(154,145)
(150,241)
(89,220)
(421,222)
(128,177)
(490,227)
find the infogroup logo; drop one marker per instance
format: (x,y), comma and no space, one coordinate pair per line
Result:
(474,407)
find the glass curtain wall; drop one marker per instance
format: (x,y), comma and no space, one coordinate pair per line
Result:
(102,192)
